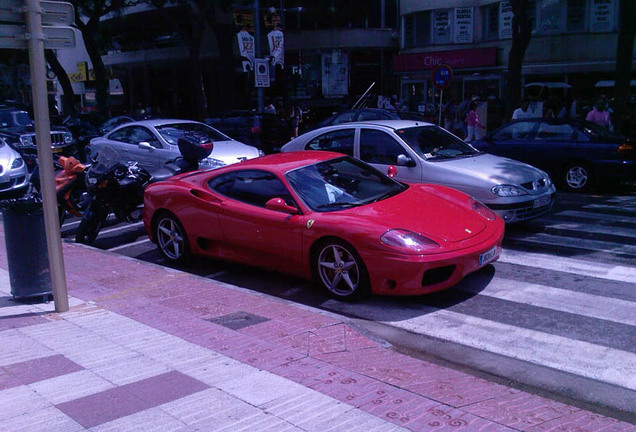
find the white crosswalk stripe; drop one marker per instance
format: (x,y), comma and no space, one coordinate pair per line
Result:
(571,284)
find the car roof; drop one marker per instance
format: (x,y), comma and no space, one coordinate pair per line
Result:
(282,162)
(392,124)
(156,122)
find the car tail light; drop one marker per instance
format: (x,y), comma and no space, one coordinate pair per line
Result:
(626,149)
(256,130)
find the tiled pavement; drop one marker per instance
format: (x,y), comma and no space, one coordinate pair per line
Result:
(146,348)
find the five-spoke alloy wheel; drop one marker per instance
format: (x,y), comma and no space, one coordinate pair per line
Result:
(577,177)
(340,270)
(171,238)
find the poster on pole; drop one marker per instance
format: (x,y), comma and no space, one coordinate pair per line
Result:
(276,39)
(602,16)
(335,74)
(505,20)
(463,25)
(246,48)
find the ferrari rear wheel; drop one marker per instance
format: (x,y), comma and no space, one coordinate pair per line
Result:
(171,238)
(340,271)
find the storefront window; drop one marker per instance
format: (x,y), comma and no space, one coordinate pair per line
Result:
(551,16)
(417,29)
(576,15)
(490,22)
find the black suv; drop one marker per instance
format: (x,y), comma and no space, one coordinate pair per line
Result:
(265,131)
(18,130)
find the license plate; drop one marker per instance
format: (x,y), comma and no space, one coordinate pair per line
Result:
(486,257)
(541,202)
(57,150)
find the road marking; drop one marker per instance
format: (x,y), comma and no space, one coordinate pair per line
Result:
(569,265)
(585,359)
(595,216)
(589,305)
(124,227)
(593,228)
(575,242)
(127,245)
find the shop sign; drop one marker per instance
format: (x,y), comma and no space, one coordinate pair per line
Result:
(335,74)
(463,25)
(457,59)
(505,20)
(602,17)
(442,26)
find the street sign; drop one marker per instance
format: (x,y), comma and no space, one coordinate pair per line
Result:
(441,76)
(15,36)
(261,73)
(53,12)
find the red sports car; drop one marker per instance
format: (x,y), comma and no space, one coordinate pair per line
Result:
(326,216)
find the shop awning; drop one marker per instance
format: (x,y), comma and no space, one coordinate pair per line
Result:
(610,83)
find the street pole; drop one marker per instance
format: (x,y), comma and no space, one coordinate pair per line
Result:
(257,42)
(45,157)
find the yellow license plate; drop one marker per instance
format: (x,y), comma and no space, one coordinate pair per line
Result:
(57,150)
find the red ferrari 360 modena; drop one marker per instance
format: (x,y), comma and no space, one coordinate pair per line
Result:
(326,216)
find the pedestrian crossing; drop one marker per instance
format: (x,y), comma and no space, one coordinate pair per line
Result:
(562,298)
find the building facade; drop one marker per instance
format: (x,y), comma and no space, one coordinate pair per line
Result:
(572,51)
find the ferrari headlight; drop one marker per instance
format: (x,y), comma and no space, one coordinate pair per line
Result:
(208,163)
(17,163)
(484,211)
(508,191)
(68,137)
(26,141)
(408,241)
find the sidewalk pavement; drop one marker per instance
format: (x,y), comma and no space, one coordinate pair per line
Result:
(147,348)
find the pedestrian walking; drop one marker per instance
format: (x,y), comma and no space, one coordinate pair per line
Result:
(296,117)
(472,122)
(450,114)
(600,115)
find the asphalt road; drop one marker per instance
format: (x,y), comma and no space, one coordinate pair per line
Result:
(555,315)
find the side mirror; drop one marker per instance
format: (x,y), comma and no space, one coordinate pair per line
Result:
(279,204)
(146,146)
(392,171)
(404,160)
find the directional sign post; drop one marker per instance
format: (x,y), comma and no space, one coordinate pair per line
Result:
(441,77)
(35,37)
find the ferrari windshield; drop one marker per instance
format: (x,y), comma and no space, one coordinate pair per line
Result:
(173,131)
(341,183)
(433,142)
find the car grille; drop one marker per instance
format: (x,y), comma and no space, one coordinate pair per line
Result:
(437,275)
(57,139)
(10,184)
(530,212)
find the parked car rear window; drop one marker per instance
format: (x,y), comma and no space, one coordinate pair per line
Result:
(172,132)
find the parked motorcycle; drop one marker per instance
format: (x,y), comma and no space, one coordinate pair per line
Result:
(118,187)
(70,187)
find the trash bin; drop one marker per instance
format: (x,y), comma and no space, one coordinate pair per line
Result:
(27,256)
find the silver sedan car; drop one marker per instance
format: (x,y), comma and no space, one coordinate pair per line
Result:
(152,143)
(424,152)
(14,176)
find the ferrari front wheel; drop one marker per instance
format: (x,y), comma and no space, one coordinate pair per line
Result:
(340,271)
(171,238)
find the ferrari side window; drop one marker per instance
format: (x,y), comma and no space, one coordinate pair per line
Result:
(251,187)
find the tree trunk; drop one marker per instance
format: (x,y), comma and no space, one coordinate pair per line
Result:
(68,105)
(89,32)
(624,49)
(521,33)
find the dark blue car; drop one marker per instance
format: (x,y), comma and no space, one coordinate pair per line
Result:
(577,154)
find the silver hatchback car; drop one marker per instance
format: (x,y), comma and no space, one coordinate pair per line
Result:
(424,152)
(14,176)
(152,143)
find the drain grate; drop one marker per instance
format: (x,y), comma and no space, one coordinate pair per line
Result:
(238,320)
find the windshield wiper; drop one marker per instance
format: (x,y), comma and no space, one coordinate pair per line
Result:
(338,204)
(441,156)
